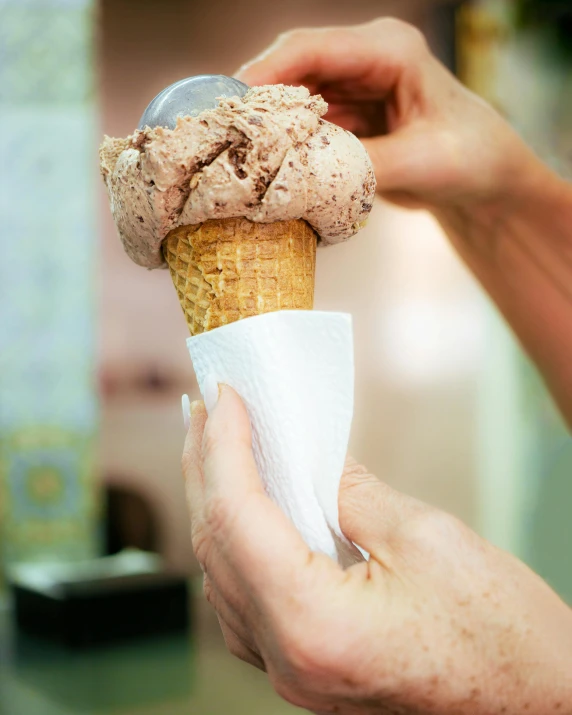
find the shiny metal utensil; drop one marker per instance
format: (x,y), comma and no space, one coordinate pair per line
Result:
(189,97)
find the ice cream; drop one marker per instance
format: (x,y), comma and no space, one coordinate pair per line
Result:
(267,157)
(234,199)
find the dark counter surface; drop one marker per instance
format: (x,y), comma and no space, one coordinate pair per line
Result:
(174,675)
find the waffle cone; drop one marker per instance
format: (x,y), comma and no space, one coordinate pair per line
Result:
(228,269)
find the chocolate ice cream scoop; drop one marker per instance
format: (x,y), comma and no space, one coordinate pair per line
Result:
(266,156)
(188,98)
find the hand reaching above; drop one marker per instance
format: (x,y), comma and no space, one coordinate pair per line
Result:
(433,143)
(437,146)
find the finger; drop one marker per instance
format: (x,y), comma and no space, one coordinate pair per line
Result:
(192,460)
(228,461)
(329,55)
(238,649)
(371,513)
(227,611)
(388,155)
(400,158)
(249,531)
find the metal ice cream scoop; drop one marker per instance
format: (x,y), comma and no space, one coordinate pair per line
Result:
(189,97)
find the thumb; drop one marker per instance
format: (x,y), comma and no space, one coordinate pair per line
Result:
(228,461)
(371,512)
(251,534)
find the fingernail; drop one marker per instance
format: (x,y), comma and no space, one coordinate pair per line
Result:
(210,392)
(186,405)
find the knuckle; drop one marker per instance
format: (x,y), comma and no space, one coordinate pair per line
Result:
(289,691)
(353,467)
(217,513)
(414,40)
(356,475)
(236,648)
(309,664)
(386,24)
(304,658)
(208,591)
(207,531)
(410,38)
(200,544)
(236,651)
(295,36)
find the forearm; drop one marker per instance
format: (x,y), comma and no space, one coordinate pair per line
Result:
(521,252)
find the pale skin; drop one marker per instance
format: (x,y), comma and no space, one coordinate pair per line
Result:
(438,621)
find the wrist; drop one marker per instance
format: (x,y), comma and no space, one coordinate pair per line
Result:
(528,219)
(519,247)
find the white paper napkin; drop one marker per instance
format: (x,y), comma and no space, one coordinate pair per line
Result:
(295,372)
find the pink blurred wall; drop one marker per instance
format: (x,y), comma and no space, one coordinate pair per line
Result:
(416,312)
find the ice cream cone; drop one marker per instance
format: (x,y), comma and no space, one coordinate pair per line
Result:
(228,269)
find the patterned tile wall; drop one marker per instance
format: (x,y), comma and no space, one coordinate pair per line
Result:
(48,501)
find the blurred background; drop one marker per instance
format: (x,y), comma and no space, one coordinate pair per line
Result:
(93,359)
